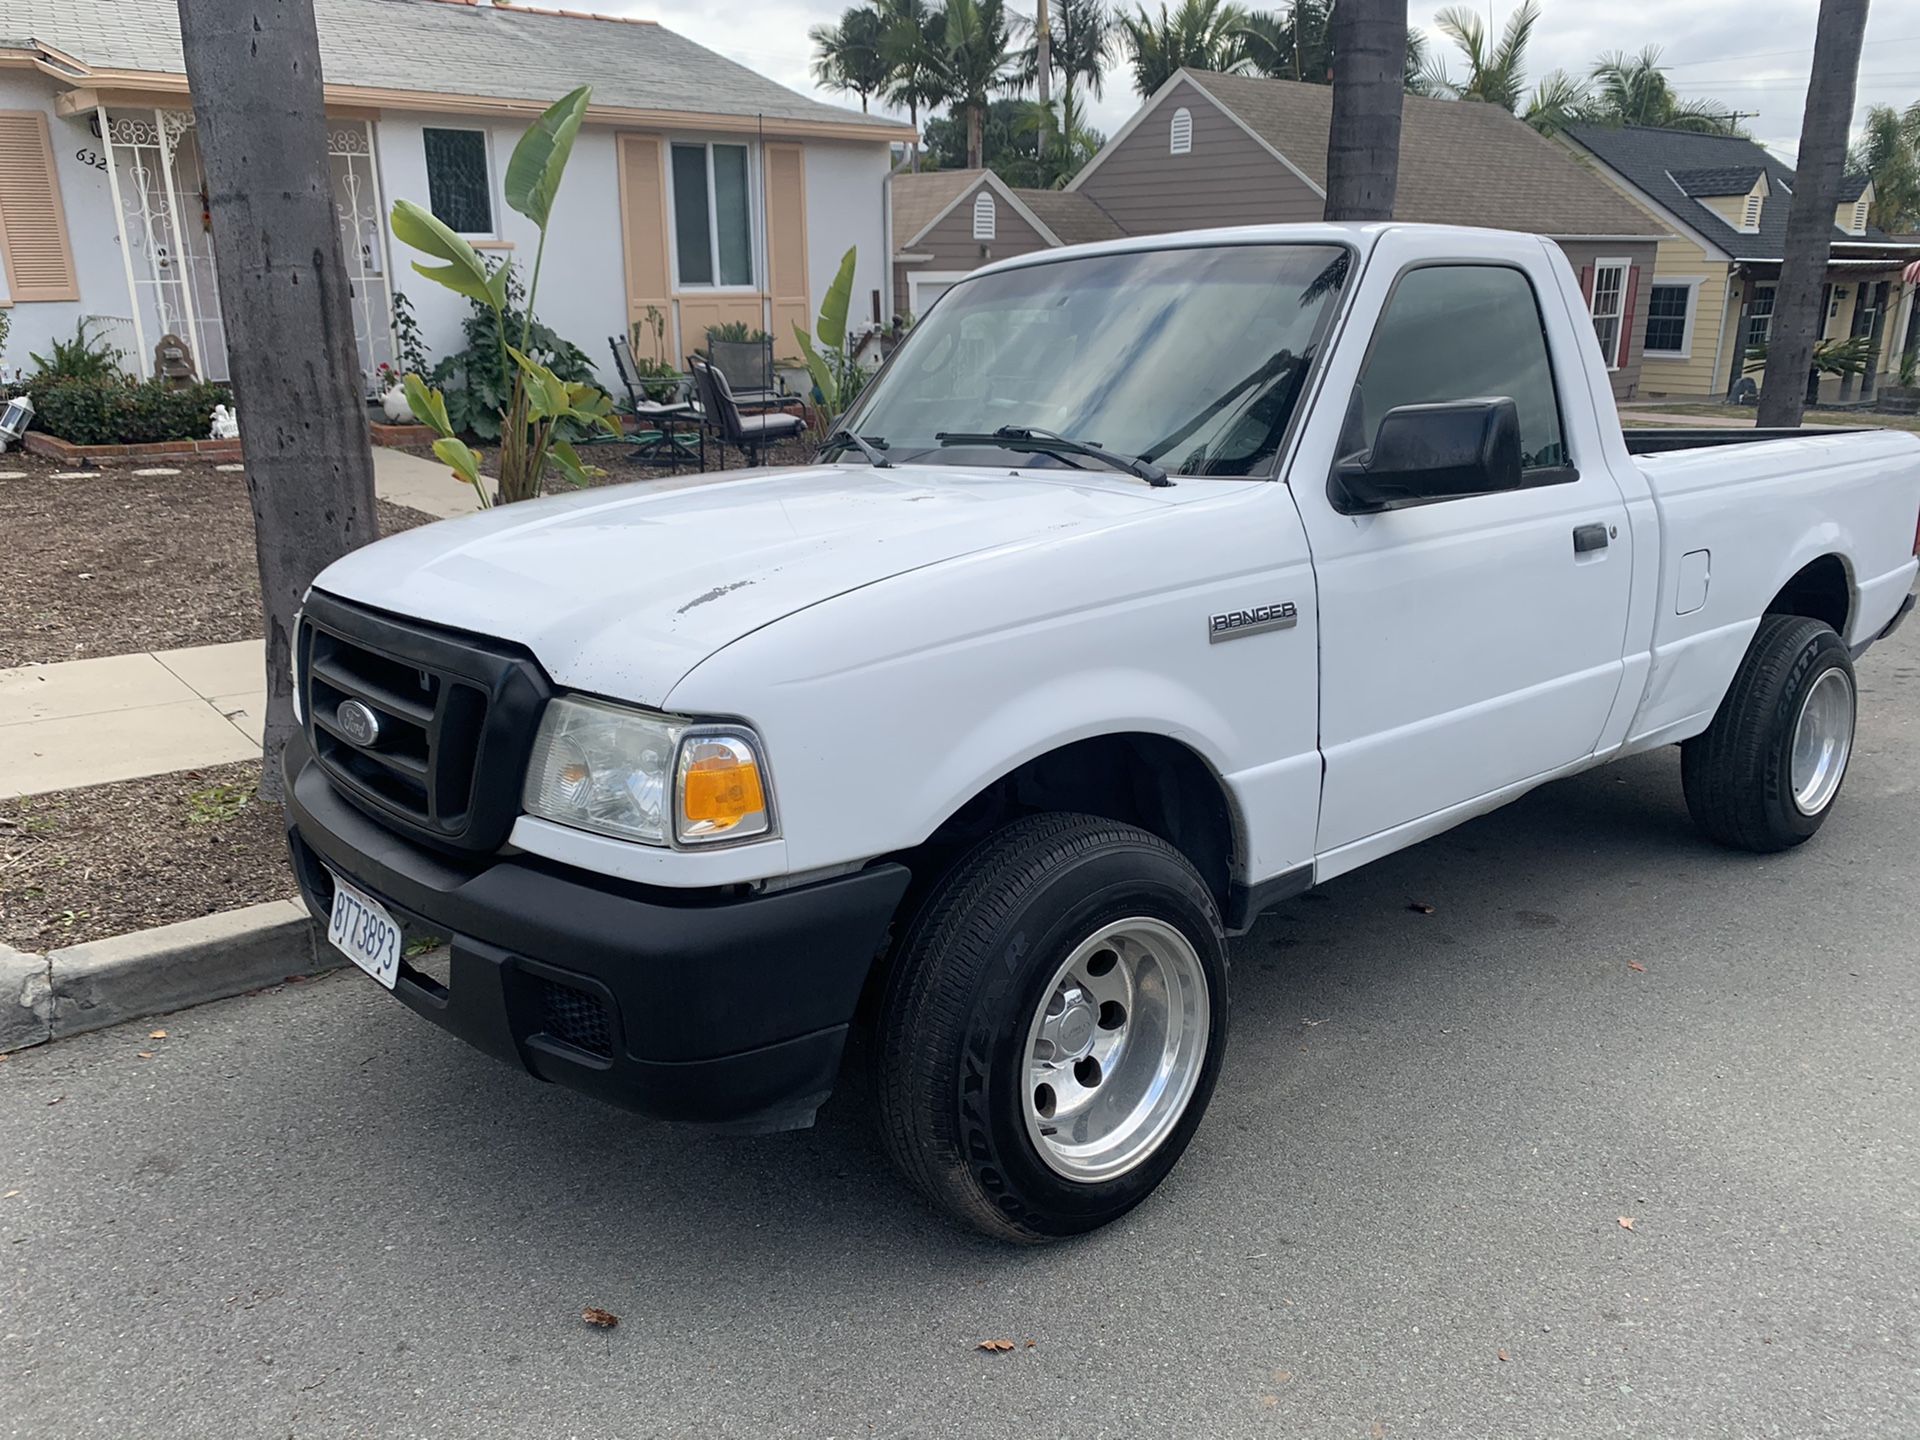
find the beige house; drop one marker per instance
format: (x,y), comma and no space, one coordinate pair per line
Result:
(1209,149)
(1724,201)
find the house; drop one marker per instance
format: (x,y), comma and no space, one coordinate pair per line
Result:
(1724,201)
(1209,149)
(699,192)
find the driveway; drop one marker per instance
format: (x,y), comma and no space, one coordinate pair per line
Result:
(309,1214)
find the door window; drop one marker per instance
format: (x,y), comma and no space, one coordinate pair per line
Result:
(1464,332)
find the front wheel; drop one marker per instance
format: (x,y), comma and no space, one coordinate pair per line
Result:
(1052,1027)
(1766,773)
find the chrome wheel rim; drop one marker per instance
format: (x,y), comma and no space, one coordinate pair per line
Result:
(1822,742)
(1115,1050)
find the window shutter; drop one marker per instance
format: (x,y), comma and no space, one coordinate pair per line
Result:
(33,225)
(984,216)
(1180,138)
(1586,284)
(787,240)
(1626,317)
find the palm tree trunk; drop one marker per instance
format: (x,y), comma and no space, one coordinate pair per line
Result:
(253,67)
(1363,145)
(975,160)
(1816,191)
(1043,48)
(913,119)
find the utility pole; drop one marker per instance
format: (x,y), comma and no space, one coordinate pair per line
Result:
(1043,48)
(1363,142)
(1797,312)
(253,68)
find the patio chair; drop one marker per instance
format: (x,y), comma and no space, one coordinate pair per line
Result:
(654,437)
(748,368)
(752,434)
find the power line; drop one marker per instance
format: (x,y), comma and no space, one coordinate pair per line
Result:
(1806,50)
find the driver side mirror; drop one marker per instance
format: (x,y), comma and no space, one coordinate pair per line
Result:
(1427,453)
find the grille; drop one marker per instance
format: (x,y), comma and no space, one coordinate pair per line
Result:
(576,1017)
(455,718)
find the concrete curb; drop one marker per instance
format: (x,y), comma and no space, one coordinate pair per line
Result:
(149,972)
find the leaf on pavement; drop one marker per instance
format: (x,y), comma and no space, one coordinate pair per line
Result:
(1636,965)
(1420,907)
(56,1100)
(143,1054)
(156,1035)
(1626,1222)
(1501,1354)
(997,1347)
(599,1319)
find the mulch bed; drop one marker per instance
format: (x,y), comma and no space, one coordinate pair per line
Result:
(115,562)
(80,865)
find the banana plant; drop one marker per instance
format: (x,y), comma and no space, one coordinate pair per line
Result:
(836,377)
(539,400)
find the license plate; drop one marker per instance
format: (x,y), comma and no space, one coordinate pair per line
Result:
(363,931)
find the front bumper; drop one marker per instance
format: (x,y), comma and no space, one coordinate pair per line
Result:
(722,1008)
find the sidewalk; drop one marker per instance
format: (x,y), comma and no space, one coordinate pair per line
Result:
(123,717)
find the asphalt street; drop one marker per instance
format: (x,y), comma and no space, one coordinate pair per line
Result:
(311,1214)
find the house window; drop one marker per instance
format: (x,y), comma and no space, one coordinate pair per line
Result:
(1609,307)
(1760,317)
(1750,217)
(712,215)
(1669,318)
(458,188)
(985,216)
(1181,137)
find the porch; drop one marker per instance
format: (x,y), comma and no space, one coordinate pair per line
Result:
(165,231)
(1865,298)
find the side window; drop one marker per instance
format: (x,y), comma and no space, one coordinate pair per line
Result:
(1462,332)
(459,190)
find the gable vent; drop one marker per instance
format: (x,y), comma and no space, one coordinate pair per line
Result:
(1181,136)
(984,216)
(1859,225)
(1750,217)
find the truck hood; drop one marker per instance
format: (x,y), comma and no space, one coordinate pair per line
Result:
(623,590)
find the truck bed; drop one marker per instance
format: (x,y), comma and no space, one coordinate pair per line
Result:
(1657,440)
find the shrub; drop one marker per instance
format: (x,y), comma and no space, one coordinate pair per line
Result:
(735,332)
(475,380)
(121,412)
(84,357)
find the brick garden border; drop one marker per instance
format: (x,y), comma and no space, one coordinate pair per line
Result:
(54,448)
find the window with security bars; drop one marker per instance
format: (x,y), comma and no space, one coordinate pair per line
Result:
(458,188)
(1667,318)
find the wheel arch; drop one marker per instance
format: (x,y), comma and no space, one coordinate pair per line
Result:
(1821,589)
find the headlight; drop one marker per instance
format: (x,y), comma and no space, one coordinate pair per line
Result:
(645,777)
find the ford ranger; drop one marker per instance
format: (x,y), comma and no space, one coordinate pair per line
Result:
(1147,584)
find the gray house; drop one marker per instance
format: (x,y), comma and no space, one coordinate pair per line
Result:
(1211,149)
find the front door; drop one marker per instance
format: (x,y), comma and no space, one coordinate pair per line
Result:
(1472,644)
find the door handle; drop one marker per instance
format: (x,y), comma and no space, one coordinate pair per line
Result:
(1588,538)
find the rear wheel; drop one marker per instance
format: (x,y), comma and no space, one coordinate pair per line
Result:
(1052,1027)
(1765,775)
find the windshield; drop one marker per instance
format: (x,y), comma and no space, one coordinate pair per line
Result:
(1193,358)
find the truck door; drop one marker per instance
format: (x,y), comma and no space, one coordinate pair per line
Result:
(1470,644)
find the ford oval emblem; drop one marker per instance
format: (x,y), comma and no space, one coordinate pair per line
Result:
(358,723)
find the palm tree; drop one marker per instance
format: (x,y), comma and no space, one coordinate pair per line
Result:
(1294,46)
(846,56)
(913,49)
(1063,143)
(1557,102)
(977,60)
(1081,35)
(1889,154)
(1200,34)
(1495,73)
(1633,90)
(1369,79)
(1816,191)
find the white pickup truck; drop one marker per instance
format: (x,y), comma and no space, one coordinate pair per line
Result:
(1147,585)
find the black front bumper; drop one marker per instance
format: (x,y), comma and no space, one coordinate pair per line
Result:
(722,1008)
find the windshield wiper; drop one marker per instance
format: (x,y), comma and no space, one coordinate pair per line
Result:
(1045,442)
(845,439)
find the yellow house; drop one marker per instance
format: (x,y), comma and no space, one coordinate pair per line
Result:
(1724,202)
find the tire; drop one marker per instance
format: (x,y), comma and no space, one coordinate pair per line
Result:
(967,1008)
(1739,775)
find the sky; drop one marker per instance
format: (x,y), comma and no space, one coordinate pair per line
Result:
(1750,54)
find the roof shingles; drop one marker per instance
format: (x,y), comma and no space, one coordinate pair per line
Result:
(453,49)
